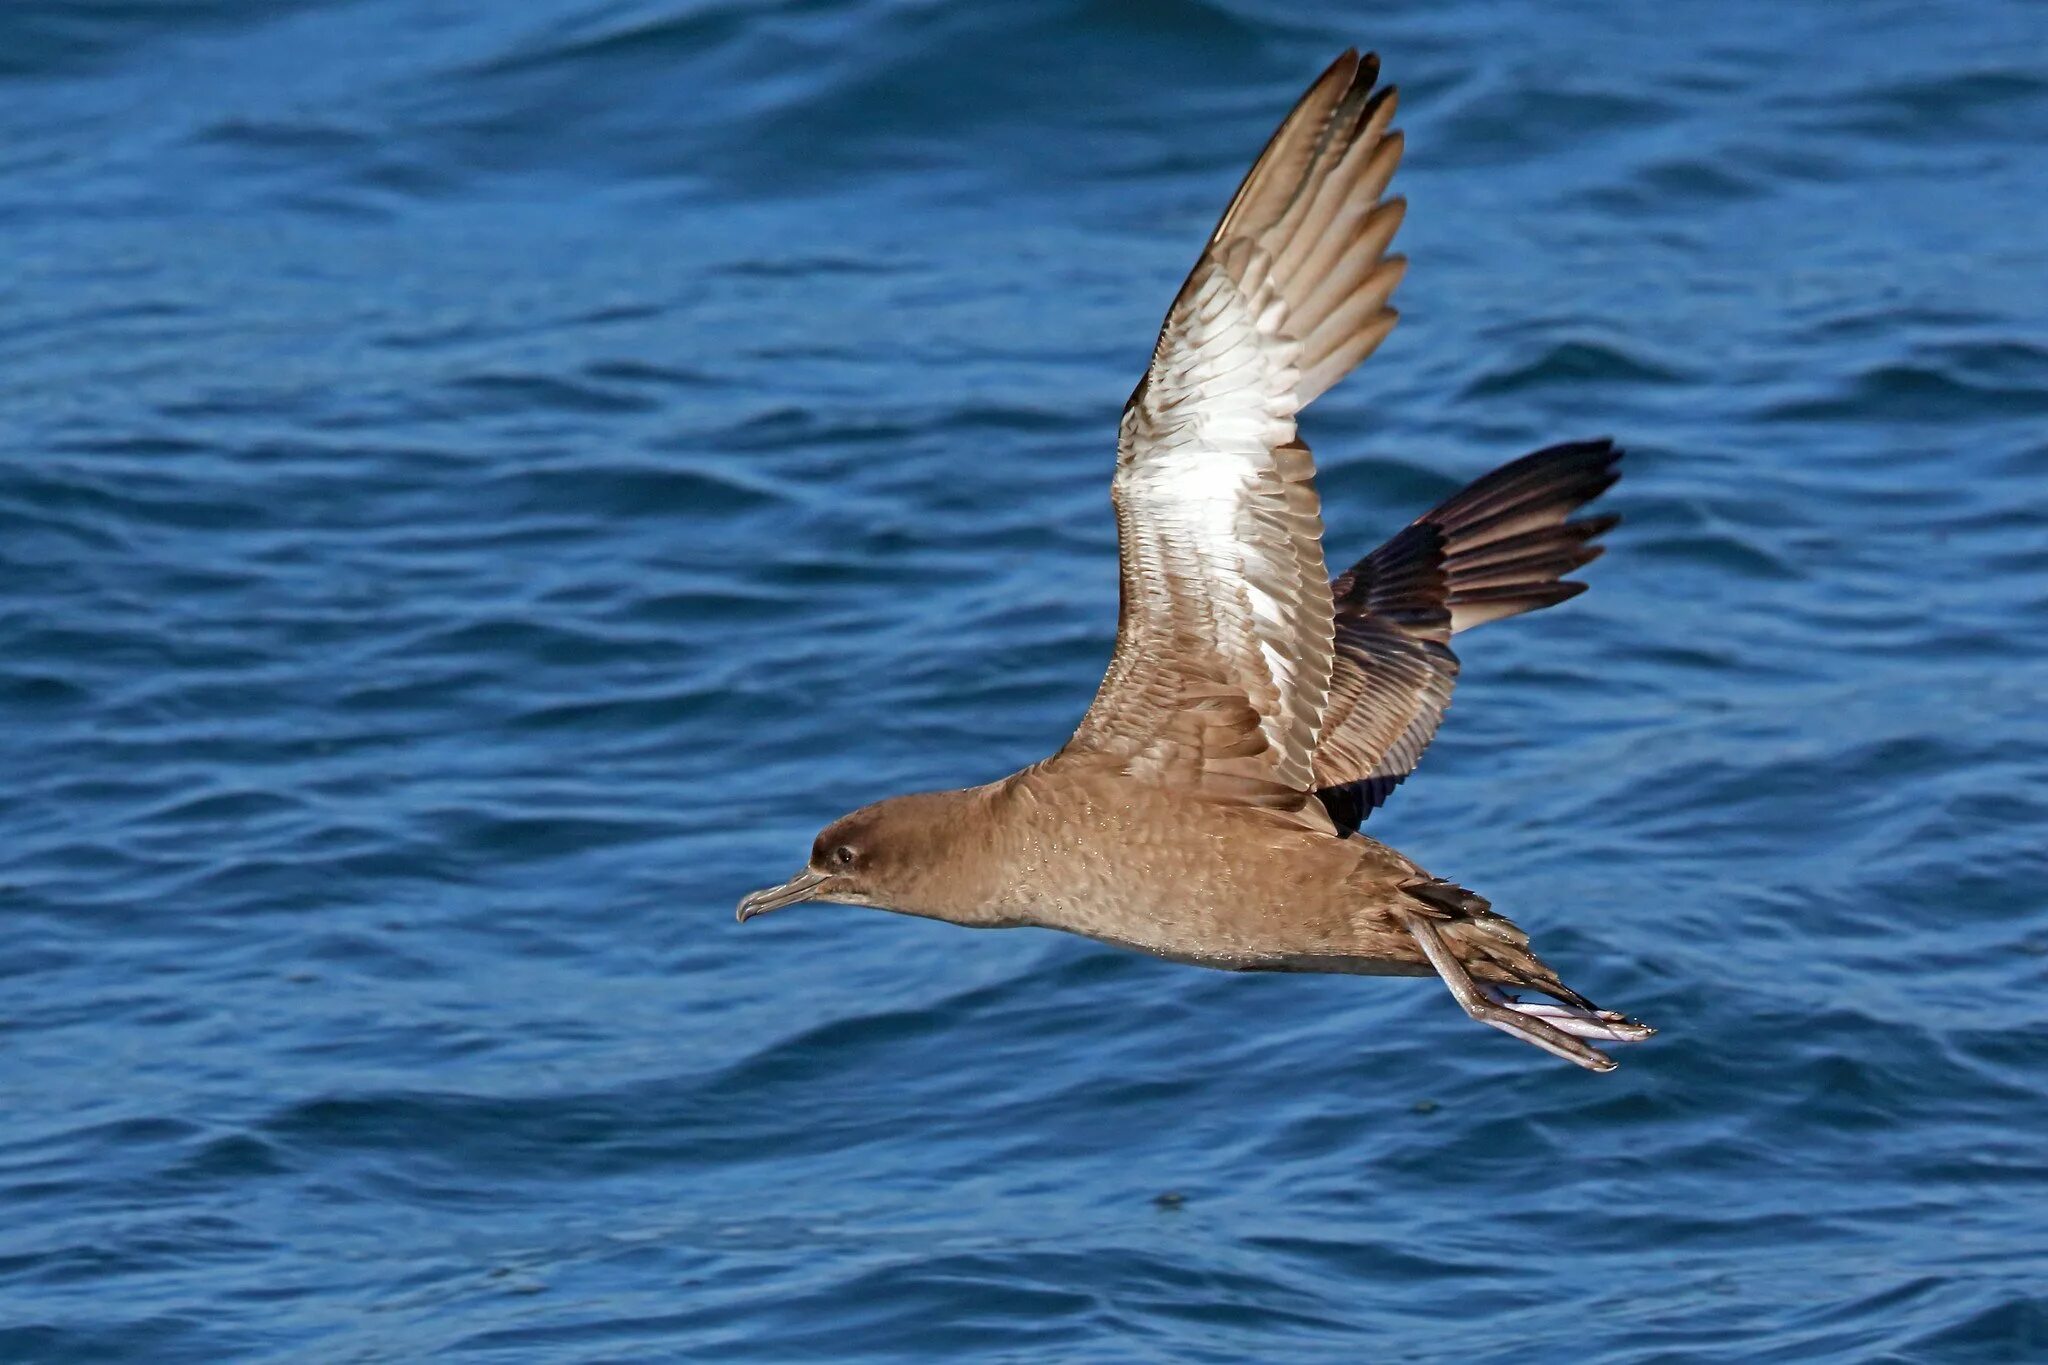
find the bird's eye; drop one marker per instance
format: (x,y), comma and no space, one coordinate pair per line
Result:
(842,856)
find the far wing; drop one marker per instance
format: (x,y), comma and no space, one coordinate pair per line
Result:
(1499,547)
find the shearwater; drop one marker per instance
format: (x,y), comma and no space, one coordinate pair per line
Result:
(1254,712)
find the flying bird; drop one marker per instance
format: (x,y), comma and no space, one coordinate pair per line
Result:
(1255,712)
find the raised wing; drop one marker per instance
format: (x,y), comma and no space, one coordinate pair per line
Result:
(1224,648)
(1498,547)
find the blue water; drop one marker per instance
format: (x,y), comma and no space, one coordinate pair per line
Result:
(481,484)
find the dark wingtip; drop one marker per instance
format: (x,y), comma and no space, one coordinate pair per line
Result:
(1348,64)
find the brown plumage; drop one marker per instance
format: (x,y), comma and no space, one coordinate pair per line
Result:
(1254,713)
(1496,548)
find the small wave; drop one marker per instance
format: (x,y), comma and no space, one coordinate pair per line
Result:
(498,392)
(1745,554)
(1983,105)
(1521,122)
(1682,186)
(1570,364)
(39,38)
(1933,389)
(619,490)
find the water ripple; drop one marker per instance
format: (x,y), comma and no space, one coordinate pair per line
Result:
(489,482)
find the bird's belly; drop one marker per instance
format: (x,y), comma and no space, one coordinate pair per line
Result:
(1224,903)
(1393,954)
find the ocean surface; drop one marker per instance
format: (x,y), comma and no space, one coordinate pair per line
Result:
(482,484)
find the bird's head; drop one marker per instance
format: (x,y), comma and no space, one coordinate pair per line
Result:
(912,854)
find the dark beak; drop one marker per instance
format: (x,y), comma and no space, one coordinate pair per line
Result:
(804,886)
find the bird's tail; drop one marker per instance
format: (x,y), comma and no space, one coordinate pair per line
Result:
(1480,956)
(1493,947)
